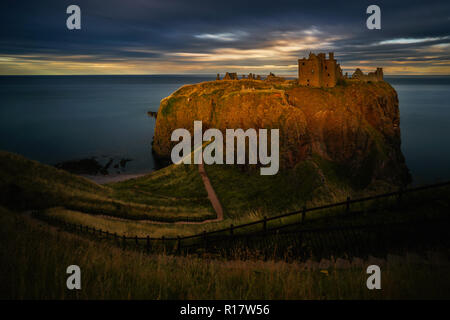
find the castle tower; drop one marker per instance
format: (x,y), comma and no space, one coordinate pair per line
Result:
(318,71)
(379,74)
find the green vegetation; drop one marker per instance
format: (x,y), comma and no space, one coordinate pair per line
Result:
(177,193)
(34,255)
(34,258)
(170,102)
(428,204)
(242,191)
(171,194)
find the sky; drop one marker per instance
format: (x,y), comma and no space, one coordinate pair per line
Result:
(209,37)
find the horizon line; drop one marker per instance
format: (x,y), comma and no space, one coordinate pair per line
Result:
(186,74)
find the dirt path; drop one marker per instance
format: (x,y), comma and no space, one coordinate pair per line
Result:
(212,196)
(211,193)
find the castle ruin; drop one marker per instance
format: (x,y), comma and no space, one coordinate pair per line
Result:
(229,76)
(316,71)
(371,76)
(320,72)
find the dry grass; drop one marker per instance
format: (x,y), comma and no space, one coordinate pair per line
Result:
(171,194)
(34,258)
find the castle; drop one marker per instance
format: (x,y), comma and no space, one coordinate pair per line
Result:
(371,76)
(318,71)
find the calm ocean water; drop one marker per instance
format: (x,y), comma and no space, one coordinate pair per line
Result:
(58,118)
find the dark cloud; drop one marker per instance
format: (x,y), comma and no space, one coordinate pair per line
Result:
(140,30)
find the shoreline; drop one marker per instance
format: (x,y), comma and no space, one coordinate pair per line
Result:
(111,178)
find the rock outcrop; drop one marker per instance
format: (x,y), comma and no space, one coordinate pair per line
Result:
(353,126)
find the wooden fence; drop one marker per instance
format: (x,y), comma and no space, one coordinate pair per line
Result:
(260,229)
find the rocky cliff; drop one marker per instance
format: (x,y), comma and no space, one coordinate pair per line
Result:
(353,127)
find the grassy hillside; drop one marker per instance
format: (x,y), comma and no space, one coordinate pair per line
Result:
(310,183)
(34,258)
(177,193)
(171,194)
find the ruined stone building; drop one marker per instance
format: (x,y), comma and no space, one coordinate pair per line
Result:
(318,71)
(234,76)
(273,77)
(231,76)
(371,76)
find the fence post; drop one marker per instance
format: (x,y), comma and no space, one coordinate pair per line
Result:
(231,229)
(265,224)
(107,234)
(163,242)
(148,244)
(303,214)
(300,244)
(178,244)
(124,241)
(136,239)
(400,194)
(115,237)
(204,238)
(347,209)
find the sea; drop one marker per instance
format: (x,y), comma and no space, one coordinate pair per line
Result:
(54,119)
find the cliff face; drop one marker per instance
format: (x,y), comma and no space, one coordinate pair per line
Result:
(354,126)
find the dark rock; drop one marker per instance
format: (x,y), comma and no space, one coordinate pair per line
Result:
(84,166)
(152,114)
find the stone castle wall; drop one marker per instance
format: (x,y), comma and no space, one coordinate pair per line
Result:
(318,71)
(371,76)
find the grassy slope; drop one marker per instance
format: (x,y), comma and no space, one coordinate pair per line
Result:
(170,193)
(311,183)
(177,191)
(242,192)
(33,260)
(431,204)
(174,193)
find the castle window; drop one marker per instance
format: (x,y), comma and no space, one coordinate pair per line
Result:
(328,74)
(312,71)
(326,68)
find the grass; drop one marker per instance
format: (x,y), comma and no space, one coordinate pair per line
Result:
(428,204)
(242,191)
(171,194)
(34,258)
(310,183)
(177,193)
